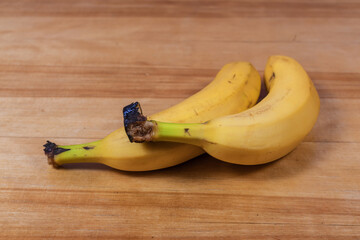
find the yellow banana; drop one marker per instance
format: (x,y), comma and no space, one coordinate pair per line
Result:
(264,133)
(235,88)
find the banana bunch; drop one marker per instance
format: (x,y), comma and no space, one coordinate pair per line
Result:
(220,120)
(235,88)
(262,134)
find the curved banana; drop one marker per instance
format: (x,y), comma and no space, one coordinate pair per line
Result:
(264,133)
(235,88)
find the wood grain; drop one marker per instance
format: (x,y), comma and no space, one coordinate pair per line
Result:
(180,9)
(68,67)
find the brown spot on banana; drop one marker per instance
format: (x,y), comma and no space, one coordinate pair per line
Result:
(272,77)
(88,147)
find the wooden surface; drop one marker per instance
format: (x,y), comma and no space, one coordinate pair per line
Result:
(68,67)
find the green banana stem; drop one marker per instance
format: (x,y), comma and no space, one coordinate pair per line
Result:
(59,155)
(139,129)
(191,133)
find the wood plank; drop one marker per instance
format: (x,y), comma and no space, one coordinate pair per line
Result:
(69,41)
(104,82)
(315,56)
(138,82)
(187,8)
(181,30)
(174,216)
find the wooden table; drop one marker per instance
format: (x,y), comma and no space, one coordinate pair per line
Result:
(68,67)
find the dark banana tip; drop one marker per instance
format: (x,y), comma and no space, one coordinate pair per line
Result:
(132,115)
(50,150)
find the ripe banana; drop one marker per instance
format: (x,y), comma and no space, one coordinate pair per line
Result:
(262,134)
(235,88)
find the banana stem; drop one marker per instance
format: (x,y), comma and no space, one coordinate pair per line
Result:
(191,133)
(139,129)
(59,155)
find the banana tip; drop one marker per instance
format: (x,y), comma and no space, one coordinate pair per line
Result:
(133,121)
(50,150)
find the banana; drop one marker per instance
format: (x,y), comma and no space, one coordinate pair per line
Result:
(264,133)
(235,88)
